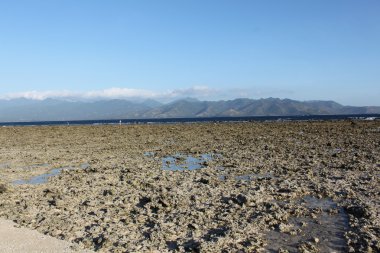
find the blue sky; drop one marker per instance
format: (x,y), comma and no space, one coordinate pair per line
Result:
(210,49)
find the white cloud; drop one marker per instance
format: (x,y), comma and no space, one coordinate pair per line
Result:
(40,95)
(120,93)
(113,93)
(95,94)
(201,92)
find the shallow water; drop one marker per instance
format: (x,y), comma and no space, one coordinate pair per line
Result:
(40,179)
(84,165)
(4,165)
(43,178)
(149,154)
(186,162)
(328,228)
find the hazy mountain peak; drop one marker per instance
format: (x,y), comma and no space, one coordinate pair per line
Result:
(57,109)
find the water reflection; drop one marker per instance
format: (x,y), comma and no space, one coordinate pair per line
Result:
(329,227)
(187,162)
(41,179)
(149,154)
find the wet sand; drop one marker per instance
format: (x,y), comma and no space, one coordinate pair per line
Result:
(258,187)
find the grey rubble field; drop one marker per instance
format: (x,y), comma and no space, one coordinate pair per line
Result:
(272,187)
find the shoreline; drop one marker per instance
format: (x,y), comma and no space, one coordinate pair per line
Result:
(184,120)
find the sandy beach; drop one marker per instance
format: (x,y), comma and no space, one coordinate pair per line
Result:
(19,240)
(308,186)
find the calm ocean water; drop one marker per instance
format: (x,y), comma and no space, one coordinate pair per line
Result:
(193,120)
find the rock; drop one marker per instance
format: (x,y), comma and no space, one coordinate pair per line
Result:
(357,211)
(107,192)
(203,181)
(98,241)
(193,226)
(3,188)
(192,246)
(143,201)
(239,199)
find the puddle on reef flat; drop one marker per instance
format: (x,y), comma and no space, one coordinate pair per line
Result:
(184,162)
(329,228)
(4,165)
(41,179)
(149,154)
(187,162)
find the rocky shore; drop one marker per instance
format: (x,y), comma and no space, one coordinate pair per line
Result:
(258,187)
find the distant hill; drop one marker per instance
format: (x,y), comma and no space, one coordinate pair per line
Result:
(17,110)
(251,107)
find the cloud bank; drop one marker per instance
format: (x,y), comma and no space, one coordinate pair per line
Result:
(116,93)
(200,92)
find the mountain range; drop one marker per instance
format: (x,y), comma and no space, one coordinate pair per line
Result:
(18,110)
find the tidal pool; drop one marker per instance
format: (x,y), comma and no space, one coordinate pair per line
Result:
(40,179)
(43,178)
(187,162)
(328,227)
(149,154)
(4,165)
